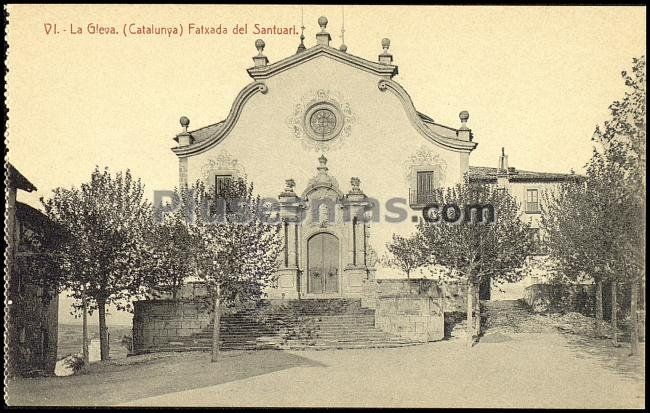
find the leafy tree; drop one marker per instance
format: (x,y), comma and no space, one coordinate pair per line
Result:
(621,146)
(406,253)
(173,244)
(578,223)
(241,245)
(475,251)
(105,256)
(596,230)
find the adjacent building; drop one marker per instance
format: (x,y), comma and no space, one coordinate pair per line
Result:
(530,190)
(31,330)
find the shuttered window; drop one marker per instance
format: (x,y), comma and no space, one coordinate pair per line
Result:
(424,186)
(532,201)
(220,183)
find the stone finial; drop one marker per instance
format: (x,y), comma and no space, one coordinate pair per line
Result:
(259,45)
(323,38)
(301,46)
(355,193)
(464,132)
(290,183)
(185,122)
(322,164)
(184,138)
(288,190)
(464,115)
(385,57)
(260,59)
(343,48)
(355,182)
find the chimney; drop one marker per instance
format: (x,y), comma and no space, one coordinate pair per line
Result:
(322,37)
(503,161)
(385,57)
(260,59)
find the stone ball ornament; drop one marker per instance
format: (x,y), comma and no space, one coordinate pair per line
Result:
(464,115)
(385,43)
(322,22)
(185,121)
(259,45)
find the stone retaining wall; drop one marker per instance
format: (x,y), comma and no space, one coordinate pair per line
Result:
(452,294)
(544,298)
(160,322)
(417,318)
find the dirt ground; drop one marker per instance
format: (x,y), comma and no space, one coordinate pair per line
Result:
(521,361)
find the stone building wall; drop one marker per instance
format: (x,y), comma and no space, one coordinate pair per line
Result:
(33,331)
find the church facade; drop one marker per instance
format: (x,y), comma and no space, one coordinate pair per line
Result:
(339,144)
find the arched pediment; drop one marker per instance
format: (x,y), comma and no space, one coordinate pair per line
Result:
(379,69)
(418,124)
(217,134)
(323,184)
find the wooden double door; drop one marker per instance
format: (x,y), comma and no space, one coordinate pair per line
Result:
(323,264)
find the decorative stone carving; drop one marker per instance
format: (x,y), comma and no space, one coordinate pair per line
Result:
(355,183)
(322,180)
(371,258)
(323,215)
(425,159)
(222,163)
(321,119)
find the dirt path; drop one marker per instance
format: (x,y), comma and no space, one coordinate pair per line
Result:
(530,370)
(521,361)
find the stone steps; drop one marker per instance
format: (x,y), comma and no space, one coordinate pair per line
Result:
(312,324)
(289,345)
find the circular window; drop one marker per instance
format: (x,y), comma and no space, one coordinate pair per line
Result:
(323,121)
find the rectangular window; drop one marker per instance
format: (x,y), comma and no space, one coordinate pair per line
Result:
(424,187)
(538,241)
(220,183)
(532,201)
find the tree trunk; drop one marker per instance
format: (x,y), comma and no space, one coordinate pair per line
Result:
(477,320)
(103,330)
(614,315)
(470,307)
(599,308)
(215,328)
(84,328)
(634,332)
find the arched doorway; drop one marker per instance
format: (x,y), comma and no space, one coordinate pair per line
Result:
(323,264)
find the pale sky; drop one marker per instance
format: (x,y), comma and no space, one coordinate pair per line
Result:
(536,80)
